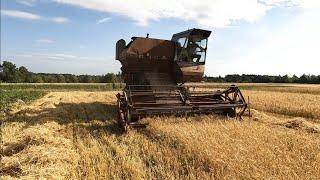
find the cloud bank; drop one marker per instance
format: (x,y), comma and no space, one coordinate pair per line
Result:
(209,13)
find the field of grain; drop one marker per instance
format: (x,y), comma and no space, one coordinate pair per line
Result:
(74,135)
(292,104)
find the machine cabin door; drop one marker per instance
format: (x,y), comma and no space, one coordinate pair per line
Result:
(192,50)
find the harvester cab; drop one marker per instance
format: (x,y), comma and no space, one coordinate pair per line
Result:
(192,46)
(155,71)
(190,54)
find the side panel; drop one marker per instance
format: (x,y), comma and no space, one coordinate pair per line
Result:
(146,60)
(146,54)
(151,49)
(188,72)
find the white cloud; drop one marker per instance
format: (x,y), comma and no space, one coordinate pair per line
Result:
(308,4)
(212,13)
(305,4)
(49,57)
(291,49)
(67,56)
(60,20)
(45,41)
(206,12)
(20,14)
(65,63)
(107,19)
(31,16)
(27,2)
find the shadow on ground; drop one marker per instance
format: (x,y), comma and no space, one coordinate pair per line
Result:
(95,115)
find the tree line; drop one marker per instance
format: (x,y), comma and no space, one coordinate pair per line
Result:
(251,78)
(13,74)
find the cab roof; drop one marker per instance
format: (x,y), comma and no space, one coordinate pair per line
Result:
(190,32)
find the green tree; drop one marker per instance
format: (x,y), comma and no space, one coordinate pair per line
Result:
(109,78)
(286,79)
(60,78)
(49,78)
(303,79)
(85,79)
(37,79)
(25,75)
(10,72)
(74,79)
(295,79)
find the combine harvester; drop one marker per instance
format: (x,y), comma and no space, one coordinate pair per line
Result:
(155,71)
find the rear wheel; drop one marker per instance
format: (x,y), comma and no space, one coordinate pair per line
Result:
(121,115)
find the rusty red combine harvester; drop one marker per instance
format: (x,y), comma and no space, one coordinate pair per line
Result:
(155,71)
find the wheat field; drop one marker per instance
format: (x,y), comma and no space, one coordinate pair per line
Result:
(74,135)
(293,104)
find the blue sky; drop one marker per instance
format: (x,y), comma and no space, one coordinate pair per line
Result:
(78,36)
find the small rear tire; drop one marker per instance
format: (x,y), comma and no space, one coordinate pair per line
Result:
(121,116)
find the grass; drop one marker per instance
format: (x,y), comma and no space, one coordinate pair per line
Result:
(291,88)
(74,135)
(62,86)
(8,98)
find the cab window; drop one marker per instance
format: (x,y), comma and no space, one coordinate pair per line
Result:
(183,42)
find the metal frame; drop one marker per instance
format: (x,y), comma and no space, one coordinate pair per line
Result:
(138,101)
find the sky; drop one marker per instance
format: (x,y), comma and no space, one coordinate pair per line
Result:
(271,37)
